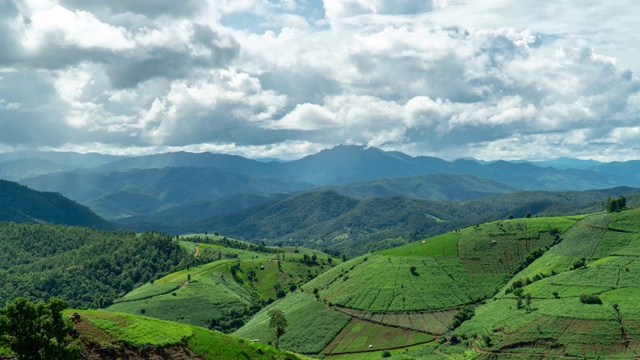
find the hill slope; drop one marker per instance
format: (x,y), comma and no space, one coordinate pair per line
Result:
(427,187)
(597,260)
(21,204)
(138,192)
(355,226)
(112,335)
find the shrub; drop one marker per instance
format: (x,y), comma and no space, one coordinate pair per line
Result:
(386,354)
(590,299)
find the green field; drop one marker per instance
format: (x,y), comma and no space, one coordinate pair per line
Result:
(311,325)
(114,331)
(225,290)
(360,336)
(557,323)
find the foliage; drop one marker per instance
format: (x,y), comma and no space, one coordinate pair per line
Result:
(21,204)
(463,315)
(590,299)
(85,267)
(616,205)
(36,330)
(277,324)
(329,220)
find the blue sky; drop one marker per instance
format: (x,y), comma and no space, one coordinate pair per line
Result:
(500,79)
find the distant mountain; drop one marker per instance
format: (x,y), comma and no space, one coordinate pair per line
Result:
(565,163)
(327,219)
(627,172)
(21,204)
(20,165)
(427,187)
(198,211)
(15,170)
(138,192)
(347,164)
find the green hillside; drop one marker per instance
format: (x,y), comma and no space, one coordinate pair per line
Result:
(441,273)
(115,335)
(235,280)
(85,267)
(329,220)
(21,204)
(584,297)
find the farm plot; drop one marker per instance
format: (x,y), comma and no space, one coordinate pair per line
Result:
(209,296)
(311,325)
(359,336)
(582,239)
(406,284)
(429,322)
(499,247)
(170,282)
(561,336)
(441,245)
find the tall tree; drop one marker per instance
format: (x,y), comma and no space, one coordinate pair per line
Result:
(277,323)
(36,330)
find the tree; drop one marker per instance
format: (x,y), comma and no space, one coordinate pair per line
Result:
(36,330)
(277,323)
(616,205)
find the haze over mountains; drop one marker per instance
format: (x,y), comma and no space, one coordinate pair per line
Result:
(117,187)
(345,195)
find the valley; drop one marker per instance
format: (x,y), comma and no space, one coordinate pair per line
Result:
(438,266)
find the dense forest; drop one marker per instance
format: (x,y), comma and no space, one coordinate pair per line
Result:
(85,267)
(21,204)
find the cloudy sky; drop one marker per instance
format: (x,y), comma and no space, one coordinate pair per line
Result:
(507,79)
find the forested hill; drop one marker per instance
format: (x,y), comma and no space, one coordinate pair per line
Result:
(327,219)
(21,204)
(85,267)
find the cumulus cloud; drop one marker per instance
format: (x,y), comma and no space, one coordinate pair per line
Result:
(285,78)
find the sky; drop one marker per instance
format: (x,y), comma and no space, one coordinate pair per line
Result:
(491,79)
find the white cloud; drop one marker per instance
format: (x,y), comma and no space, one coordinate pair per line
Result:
(500,79)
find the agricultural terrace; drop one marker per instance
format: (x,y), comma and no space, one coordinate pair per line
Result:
(360,336)
(435,322)
(311,325)
(580,299)
(417,277)
(227,289)
(100,329)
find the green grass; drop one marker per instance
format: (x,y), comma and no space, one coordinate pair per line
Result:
(436,322)
(360,336)
(311,325)
(442,245)
(140,331)
(213,290)
(386,284)
(558,324)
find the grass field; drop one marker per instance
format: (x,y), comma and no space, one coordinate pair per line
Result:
(436,322)
(360,336)
(311,325)
(222,289)
(557,323)
(111,330)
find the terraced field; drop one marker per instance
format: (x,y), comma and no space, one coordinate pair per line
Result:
(116,335)
(444,272)
(311,325)
(223,289)
(598,257)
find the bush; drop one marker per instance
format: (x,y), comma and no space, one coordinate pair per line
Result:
(590,299)
(386,354)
